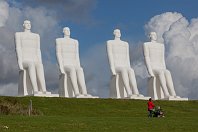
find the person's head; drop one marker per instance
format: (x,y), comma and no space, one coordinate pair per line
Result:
(150,99)
(27,25)
(66,31)
(117,33)
(152,36)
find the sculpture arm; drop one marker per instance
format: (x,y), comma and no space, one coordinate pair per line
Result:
(18,50)
(110,58)
(147,60)
(39,50)
(77,54)
(128,56)
(164,63)
(59,57)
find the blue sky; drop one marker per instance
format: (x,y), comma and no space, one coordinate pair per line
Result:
(92,23)
(105,15)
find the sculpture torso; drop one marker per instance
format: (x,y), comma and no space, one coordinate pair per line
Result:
(119,51)
(29,46)
(156,55)
(69,51)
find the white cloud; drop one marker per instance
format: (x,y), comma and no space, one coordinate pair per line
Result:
(97,71)
(179,35)
(44,24)
(4,11)
(181,41)
(161,23)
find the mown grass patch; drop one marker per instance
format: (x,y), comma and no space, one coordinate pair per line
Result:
(90,115)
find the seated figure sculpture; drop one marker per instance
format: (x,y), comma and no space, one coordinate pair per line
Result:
(31,80)
(160,82)
(123,83)
(71,81)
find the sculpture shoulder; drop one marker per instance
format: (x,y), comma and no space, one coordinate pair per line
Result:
(74,40)
(23,33)
(18,34)
(59,39)
(126,43)
(116,41)
(110,42)
(147,43)
(37,35)
(63,40)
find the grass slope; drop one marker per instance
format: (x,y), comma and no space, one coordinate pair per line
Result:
(61,114)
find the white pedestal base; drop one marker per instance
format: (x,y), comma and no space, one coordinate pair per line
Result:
(137,97)
(175,99)
(88,96)
(44,94)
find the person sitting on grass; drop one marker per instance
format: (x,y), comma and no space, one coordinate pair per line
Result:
(150,107)
(158,112)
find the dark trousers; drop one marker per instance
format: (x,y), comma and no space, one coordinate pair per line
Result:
(150,113)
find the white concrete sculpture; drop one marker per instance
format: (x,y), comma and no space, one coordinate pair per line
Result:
(31,74)
(71,79)
(123,82)
(160,82)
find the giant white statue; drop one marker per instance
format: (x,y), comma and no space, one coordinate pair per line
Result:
(71,80)
(123,82)
(31,74)
(160,81)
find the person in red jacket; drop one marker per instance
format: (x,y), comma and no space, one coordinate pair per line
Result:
(150,107)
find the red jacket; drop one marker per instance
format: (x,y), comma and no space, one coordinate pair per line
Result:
(150,105)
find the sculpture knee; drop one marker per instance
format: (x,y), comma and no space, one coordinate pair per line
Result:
(123,71)
(30,66)
(132,71)
(39,65)
(80,69)
(167,72)
(71,70)
(161,73)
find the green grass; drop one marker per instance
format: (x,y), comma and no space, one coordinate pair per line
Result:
(90,115)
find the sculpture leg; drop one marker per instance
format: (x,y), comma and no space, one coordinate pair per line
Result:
(72,73)
(133,82)
(32,73)
(163,83)
(81,80)
(169,83)
(41,77)
(125,80)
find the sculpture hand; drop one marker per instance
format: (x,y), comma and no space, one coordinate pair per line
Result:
(21,68)
(113,73)
(62,71)
(152,75)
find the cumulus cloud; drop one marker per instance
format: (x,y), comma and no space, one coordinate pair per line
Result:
(180,37)
(4,10)
(97,71)
(11,22)
(161,23)
(65,10)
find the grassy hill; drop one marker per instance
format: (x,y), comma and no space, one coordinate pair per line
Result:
(90,115)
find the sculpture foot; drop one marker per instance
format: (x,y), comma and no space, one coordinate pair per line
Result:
(132,96)
(88,95)
(140,95)
(37,92)
(77,95)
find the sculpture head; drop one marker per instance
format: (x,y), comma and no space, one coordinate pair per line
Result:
(66,31)
(27,25)
(152,36)
(117,33)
